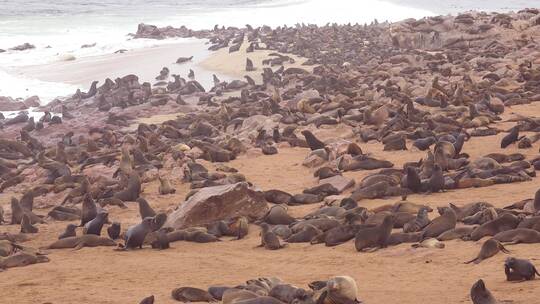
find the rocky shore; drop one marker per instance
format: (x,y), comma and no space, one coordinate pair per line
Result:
(367,138)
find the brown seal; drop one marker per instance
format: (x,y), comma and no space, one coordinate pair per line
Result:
(1,215)
(504,222)
(456,233)
(22,258)
(375,237)
(165,186)
(161,241)
(418,223)
(26,225)
(136,234)
(481,295)
(436,181)
(114,230)
(519,270)
(400,237)
(234,295)
(339,289)
(277,215)
(89,209)
(305,235)
(78,242)
(191,294)
(537,201)
(519,235)
(69,232)
(490,248)
(312,141)
(133,189)
(148,300)
(269,240)
(481,217)
(144,208)
(440,224)
(510,138)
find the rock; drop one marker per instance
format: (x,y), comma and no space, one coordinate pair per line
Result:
(8,104)
(313,161)
(339,182)
(32,102)
(211,204)
(23,47)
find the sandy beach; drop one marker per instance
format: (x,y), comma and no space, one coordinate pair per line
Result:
(441,112)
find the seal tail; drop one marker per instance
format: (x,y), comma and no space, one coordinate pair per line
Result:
(475,260)
(504,250)
(536,271)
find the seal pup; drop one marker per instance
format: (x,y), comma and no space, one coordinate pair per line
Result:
(26,225)
(69,232)
(114,230)
(148,300)
(417,224)
(191,294)
(269,239)
(78,242)
(144,208)
(89,209)
(95,225)
(374,237)
(429,243)
(162,241)
(312,141)
(490,248)
(481,295)
(136,234)
(519,270)
(339,289)
(165,186)
(277,215)
(441,224)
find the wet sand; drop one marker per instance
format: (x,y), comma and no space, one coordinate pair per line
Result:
(145,63)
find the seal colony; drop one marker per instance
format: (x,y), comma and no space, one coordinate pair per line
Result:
(389,121)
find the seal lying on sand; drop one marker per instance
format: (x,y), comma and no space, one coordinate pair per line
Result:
(78,242)
(190,294)
(490,248)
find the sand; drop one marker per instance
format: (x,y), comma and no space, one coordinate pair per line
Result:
(234,64)
(397,274)
(145,63)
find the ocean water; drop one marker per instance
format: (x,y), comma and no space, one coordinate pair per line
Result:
(58,28)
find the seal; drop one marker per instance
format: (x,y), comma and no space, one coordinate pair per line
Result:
(436,181)
(417,224)
(235,295)
(339,289)
(114,230)
(519,270)
(519,235)
(312,141)
(481,295)
(136,234)
(144,208)
(440,224)
(429,243)
(94,226)
(457,233)
(277,215)
(305,235)
(165,187)
(69,232)
(147,300)
(133,189)
(413,180)
(400,237)
(490,248)
(162,241)
(26,225)
(78,242)
(269,239)
(89,209)
(374,237)
(1,215)
(505,222)
(22,258)
(287,293)
(510,138)
(191,294)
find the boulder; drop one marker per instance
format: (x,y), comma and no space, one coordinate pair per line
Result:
(211,204)
(340,183)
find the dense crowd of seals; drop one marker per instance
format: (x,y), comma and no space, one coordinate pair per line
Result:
(430,84)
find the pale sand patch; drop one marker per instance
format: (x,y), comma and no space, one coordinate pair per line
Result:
(234,64)
(145,63)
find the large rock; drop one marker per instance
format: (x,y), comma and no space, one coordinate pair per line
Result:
(340,183)
(217,203)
